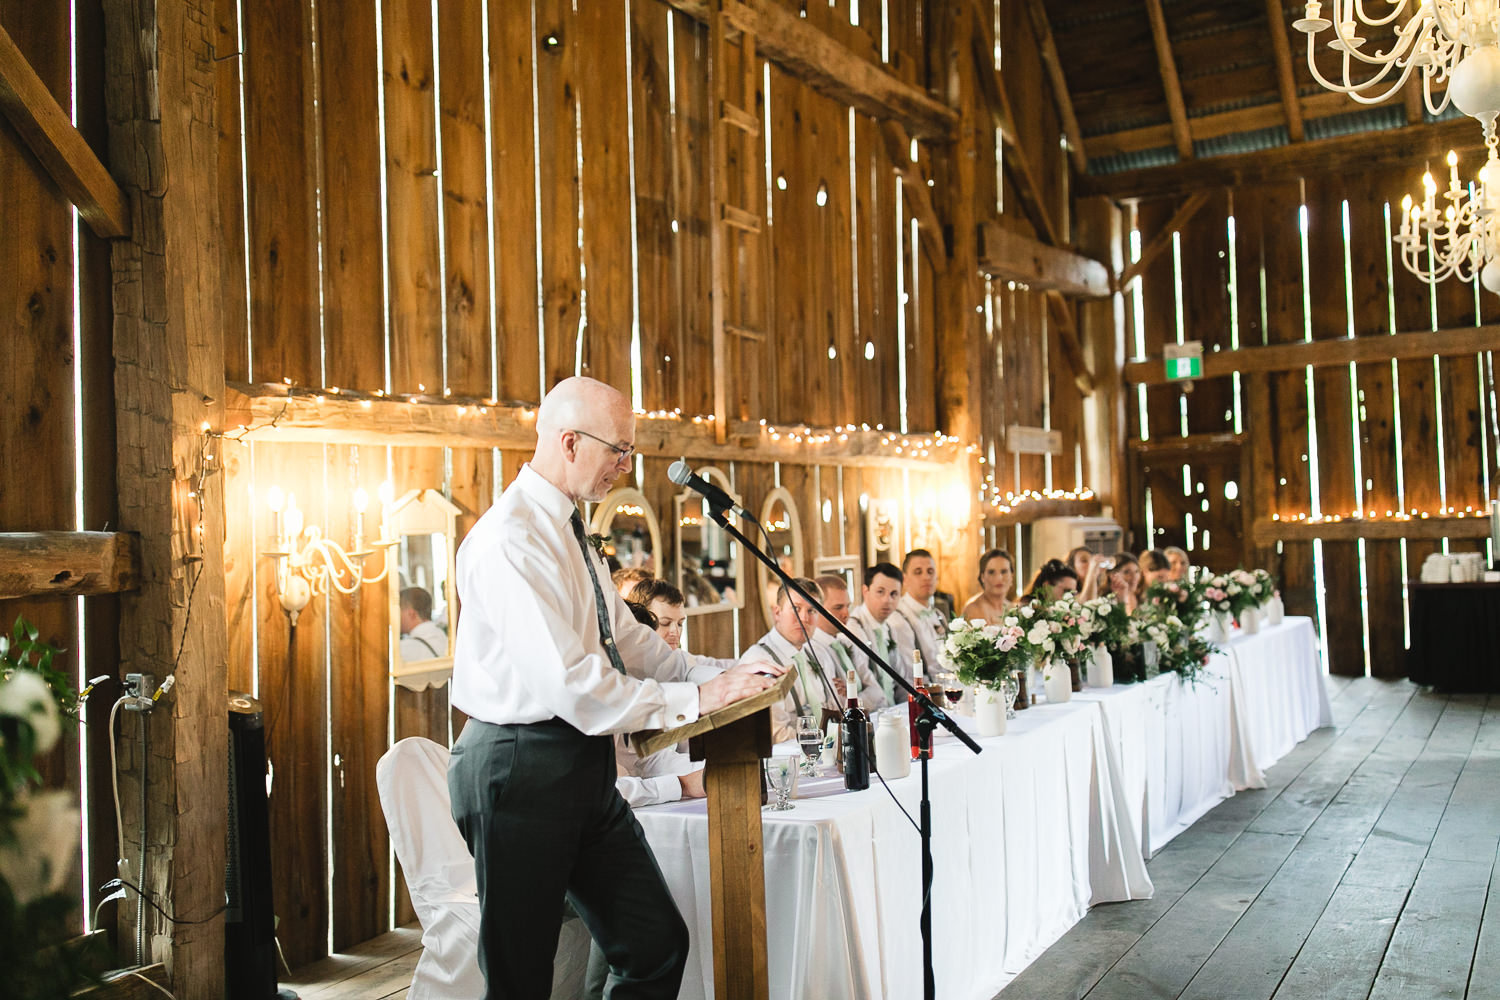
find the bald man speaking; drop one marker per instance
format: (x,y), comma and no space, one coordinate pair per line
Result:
(548,663)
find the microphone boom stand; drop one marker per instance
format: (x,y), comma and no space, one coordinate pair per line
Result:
(929,718)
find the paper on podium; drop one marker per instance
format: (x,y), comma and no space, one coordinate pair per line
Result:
(648,741)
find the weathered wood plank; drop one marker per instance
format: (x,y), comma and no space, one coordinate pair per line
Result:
(59,563)
(460,40)
(354,327)
(412,198)
(1006,253)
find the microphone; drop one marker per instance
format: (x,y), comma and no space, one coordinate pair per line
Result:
(683,475)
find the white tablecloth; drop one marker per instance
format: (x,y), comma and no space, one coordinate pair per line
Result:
(1277,681)
(1054,816)
(1026,836)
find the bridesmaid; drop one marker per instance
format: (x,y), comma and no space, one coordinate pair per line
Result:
(997,582)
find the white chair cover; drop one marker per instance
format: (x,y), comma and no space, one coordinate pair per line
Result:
(412,779)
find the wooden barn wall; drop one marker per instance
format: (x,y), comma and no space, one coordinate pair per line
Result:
(479,206)
(1283,263)
(57,390)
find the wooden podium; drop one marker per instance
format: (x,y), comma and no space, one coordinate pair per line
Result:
(733,741)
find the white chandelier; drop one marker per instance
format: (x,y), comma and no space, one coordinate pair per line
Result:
(1450,41)
(1460,239)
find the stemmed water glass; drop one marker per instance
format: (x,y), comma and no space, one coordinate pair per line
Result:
(780,773)
(810,738)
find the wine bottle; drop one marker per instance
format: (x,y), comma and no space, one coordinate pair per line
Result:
(914,705)
(856,740)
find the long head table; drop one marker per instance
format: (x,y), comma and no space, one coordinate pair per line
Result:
(1054,816)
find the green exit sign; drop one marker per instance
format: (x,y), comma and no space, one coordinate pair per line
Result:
(1184,361)
(1184,368)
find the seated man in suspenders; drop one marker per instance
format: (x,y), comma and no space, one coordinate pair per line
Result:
(788,645)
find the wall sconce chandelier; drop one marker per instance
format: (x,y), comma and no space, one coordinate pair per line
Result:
(1448,40)
(1461,238)
(308,564)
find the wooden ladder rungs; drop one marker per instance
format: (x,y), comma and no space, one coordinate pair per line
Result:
(733,114)
(745,333)
(741,219)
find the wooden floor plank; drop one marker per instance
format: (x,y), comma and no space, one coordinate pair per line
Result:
(322,980)
(1432,948)
(1484,977)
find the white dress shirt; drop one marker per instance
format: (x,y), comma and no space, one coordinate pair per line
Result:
(806,697)
(646,781)
(424,642)
(837,652)
(916,620)
(881,638)
(528,647)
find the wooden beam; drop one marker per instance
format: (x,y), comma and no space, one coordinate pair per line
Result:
(919,196)
(1017,160)
(1067,326)
(67,563)
(63,152)
(1167,63)
(271,413)
(1163,238)
(1028,513)
(1005,253)
(1362,152)
(1047,48)
(1267,531)
(1213,126)
(832,68)
(1458,342)
(1285,81)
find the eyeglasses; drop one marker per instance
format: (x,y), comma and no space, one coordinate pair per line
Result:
(623,454)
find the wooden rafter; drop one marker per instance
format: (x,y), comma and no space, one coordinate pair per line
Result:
(832,68)
(1047,46)
(1285,81)
(63,152)
(1267,531)
(1364,151)
(1017,160)
(1464,341)
(929,228)
(1222,123)
(1163,238)
(1005,253)
(272,413)
(1176,108)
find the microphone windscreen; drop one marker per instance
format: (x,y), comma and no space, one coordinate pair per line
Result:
(679,472)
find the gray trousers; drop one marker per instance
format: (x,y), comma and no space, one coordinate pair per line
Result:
(538,808)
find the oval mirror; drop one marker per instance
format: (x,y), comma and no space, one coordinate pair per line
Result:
(632,534)
(778,514)
(708,560)
(423,593)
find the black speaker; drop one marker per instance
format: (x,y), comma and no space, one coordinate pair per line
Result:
(250,924)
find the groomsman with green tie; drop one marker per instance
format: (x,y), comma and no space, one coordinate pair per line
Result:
(786,645)
(871,620)
(833,647)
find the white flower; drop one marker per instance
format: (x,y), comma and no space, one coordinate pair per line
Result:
(1010,621)
(1038,633)
(26,696)
(1027,611)
(978,622)
(47,833)
(990,631)
(958,625)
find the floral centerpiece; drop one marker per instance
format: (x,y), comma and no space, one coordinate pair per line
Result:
(986,655)
(39,828)
(995,659)
(1178,645)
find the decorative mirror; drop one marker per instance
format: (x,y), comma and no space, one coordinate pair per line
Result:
(846,567)
(778,514)
(883,532)
(630,529)
(708,560)
(422,588)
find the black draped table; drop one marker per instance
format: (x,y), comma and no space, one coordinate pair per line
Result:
(1455,635)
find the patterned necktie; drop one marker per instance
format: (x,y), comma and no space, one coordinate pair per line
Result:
(601,609)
